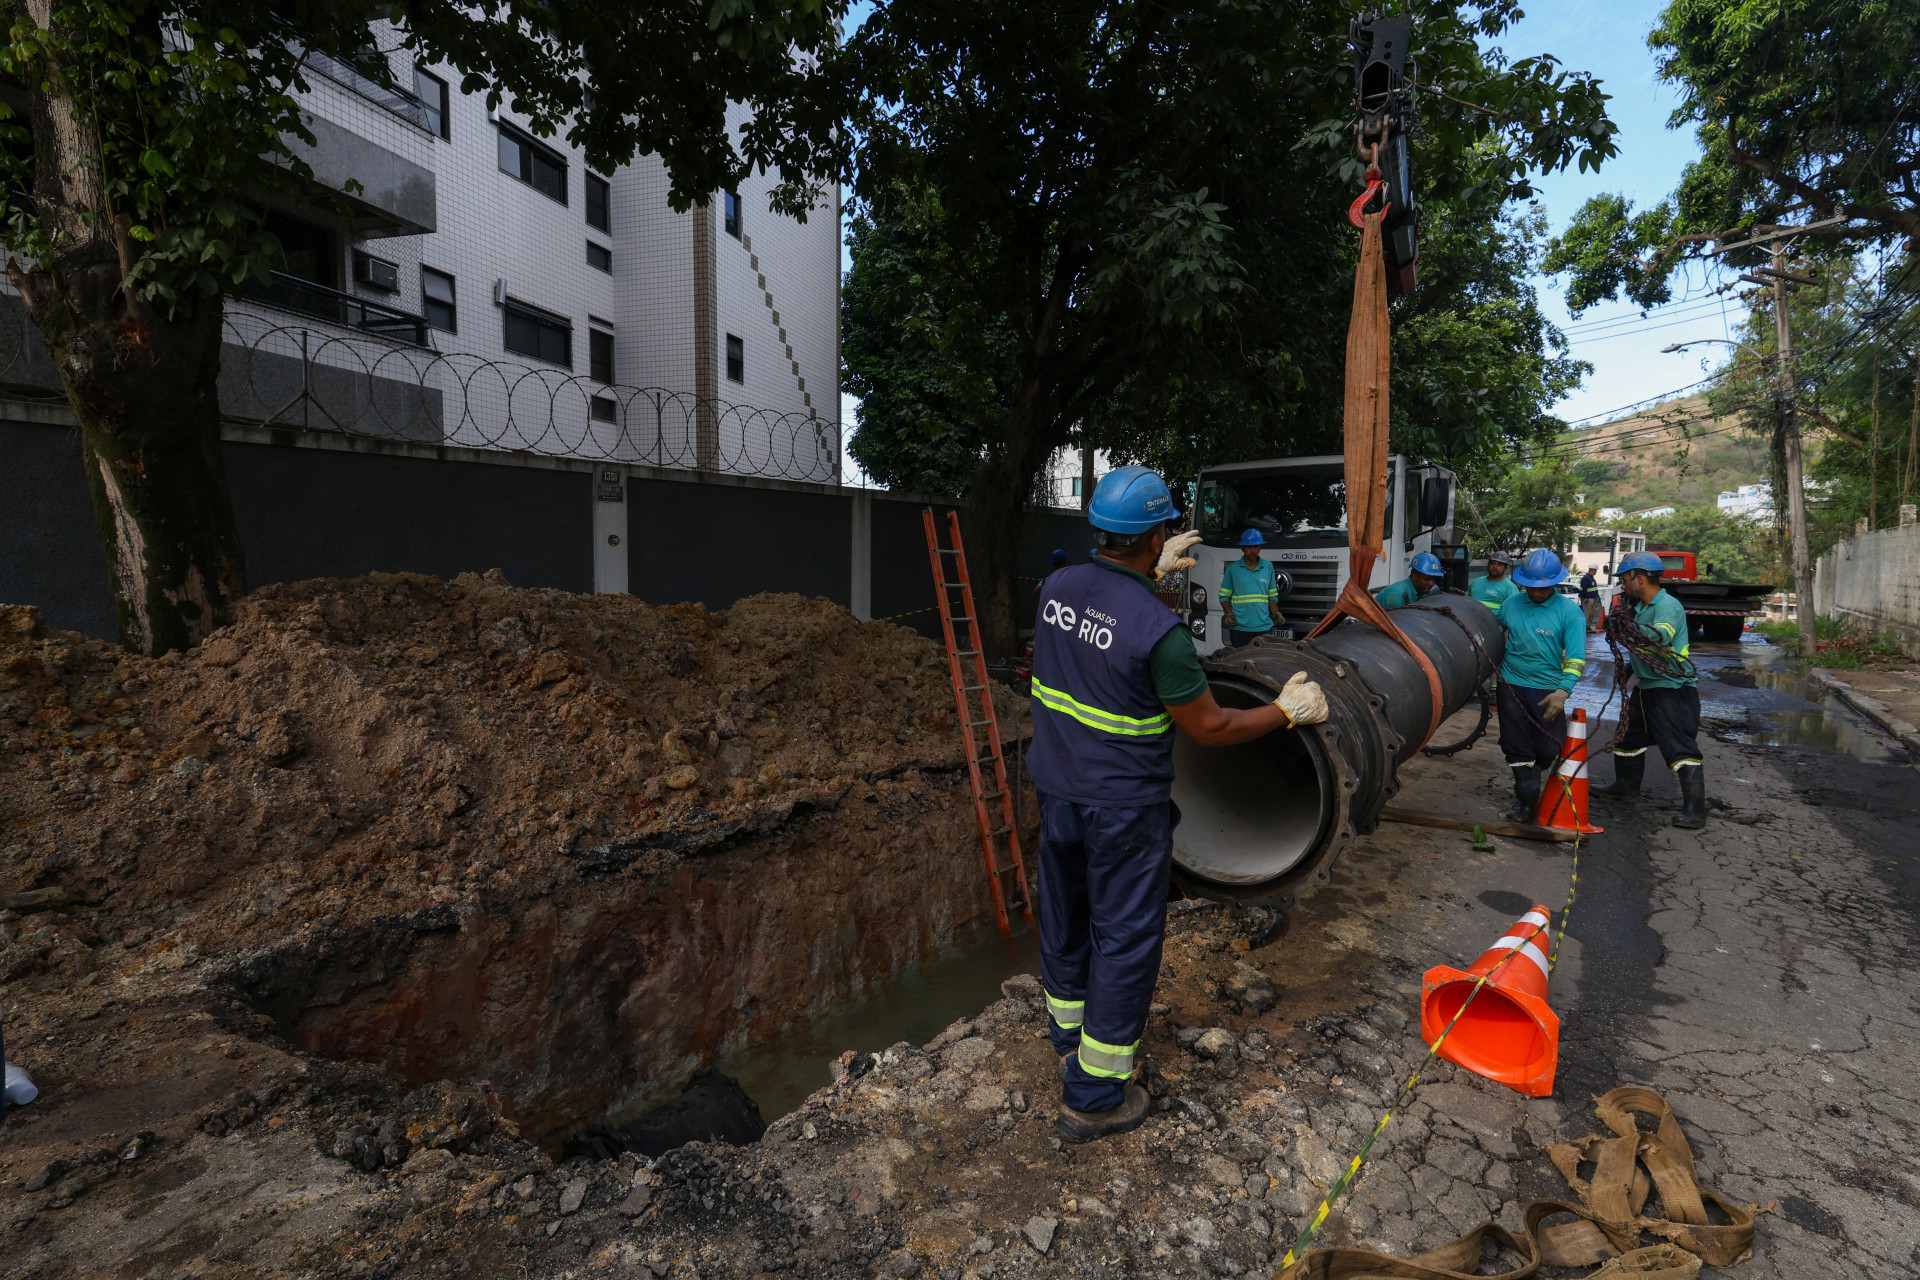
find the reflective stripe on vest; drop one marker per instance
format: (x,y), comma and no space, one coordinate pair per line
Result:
(1067,1014)
(1114,1061)
(1095,718)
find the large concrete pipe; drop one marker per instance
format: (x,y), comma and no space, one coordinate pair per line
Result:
(1270,816)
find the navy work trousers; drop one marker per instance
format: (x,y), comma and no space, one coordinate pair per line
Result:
(1527,737)
(1103,918)
(1665,718)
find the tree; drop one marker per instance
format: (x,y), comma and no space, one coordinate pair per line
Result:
(1109,191)
(142,137)
(1802,109)
(1518,505)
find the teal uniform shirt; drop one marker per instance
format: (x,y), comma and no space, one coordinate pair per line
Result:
(1664,619)
(1493,592)
(1249,592)
(1546,643)
(1399,595)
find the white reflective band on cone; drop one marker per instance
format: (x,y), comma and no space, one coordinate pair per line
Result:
(1576,729)
(1527,949)
(1536,918)
(1573,768)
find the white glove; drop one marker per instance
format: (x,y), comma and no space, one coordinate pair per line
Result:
(1174,554)
(1302,700)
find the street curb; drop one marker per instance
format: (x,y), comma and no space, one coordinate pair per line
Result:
(1872,708)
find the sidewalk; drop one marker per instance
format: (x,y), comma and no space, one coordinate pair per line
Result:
(1891,699)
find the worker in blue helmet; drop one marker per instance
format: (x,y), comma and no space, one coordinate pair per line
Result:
(1114,672)
(1545,658)
(1425,577)
(1663,699)
(1249,593)
(1059,559)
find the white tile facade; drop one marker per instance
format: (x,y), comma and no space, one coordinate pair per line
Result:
(776,288)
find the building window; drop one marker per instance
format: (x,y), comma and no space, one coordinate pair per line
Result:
(436,299)
(432,90)
(307,249)
(732,216)
(599,256)
(736,359)
(602,407)
(600,355)
(523,158)
(540,334)
(599,204)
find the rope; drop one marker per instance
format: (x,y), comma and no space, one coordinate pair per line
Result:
(1626,640)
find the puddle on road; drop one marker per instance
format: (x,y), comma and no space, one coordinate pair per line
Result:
(915,1006)
(1752,682)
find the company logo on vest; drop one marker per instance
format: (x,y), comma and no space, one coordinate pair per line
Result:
(1087,629)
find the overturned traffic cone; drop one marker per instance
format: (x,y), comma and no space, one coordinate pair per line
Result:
(1507,1033)
(1563,793)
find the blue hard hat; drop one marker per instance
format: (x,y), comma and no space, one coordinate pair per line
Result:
(1252,538)
(1541,568)
(1645,561)
(1428,563)
(1059,556)
(1130,500)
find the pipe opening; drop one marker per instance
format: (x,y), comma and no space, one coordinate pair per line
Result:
(1254,814)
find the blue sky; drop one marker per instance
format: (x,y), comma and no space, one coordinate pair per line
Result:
(1608,40)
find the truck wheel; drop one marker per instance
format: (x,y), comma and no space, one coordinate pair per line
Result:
(1722,630)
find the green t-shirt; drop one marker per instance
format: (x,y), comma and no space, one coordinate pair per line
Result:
(1173,662)
(1399,595)
(1493,592)
(1546,643)
(1250,593)
(1664,619)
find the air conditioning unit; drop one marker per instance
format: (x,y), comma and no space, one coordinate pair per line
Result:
(375,273)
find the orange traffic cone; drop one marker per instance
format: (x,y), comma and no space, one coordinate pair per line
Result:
(1563,795)
(1508,1033)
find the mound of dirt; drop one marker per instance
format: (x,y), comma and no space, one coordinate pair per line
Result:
(347,748)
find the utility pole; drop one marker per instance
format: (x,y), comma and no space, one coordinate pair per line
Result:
(1789,433)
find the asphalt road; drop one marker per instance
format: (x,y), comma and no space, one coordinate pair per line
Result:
(1760,974)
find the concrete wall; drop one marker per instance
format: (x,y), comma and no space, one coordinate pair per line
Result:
(1873,581)
(325,504)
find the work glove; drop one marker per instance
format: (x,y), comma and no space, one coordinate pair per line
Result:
(1174,554)
(1553,704)
(1302,701)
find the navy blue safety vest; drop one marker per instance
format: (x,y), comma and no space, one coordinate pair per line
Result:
(1100,735)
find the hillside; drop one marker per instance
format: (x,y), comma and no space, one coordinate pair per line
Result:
(1673,454)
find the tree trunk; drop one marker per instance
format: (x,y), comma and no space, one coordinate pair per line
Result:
(994,520)
(143,386)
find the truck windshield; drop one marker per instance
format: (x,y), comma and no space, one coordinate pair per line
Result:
(1299,506)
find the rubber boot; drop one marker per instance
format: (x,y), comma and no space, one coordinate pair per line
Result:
(1628,771)
(1693,796)
(1526,794)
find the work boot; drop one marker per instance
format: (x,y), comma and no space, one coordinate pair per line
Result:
(1628,771)
(1526,793)
(1693,796)
(1085,1126)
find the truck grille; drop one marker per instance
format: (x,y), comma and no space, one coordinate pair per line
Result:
(1316,585)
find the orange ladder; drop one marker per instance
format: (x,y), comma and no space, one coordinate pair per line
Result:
(1000,838)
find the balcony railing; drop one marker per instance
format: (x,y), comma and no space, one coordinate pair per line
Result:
(291,293)
(351,78)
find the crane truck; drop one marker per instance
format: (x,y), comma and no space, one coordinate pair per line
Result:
(1299,505)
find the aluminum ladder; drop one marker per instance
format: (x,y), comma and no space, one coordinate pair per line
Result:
(973,699)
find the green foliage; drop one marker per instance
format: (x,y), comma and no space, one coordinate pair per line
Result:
(193,108)
(1726,547)
(1126,226)
(1517,506)
(1802,109)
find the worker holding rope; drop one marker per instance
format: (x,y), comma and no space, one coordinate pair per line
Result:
(1546,656)
(1663,698)
(1496,588)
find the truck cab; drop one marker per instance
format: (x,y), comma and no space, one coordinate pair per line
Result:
(1300,506)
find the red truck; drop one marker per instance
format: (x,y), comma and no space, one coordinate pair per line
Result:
(1715,610)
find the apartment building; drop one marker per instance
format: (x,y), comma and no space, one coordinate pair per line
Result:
(488,287)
